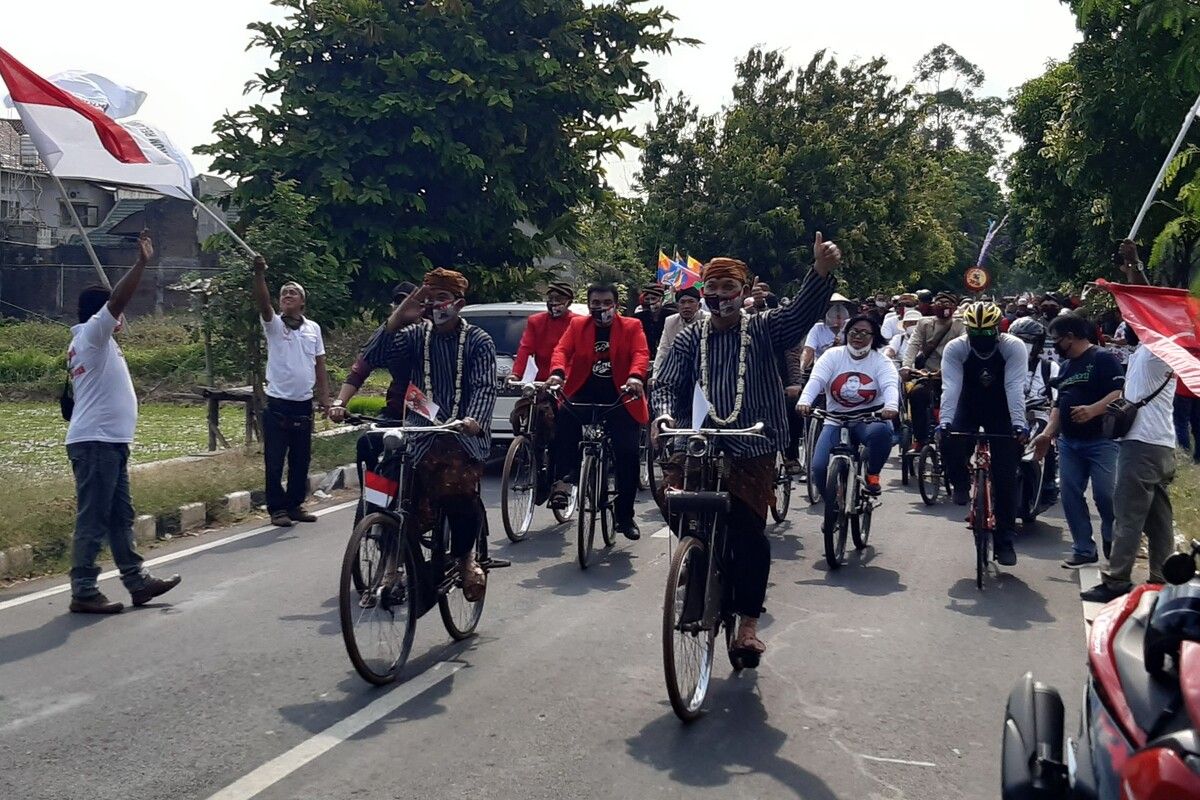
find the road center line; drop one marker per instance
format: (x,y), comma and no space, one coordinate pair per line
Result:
(281,766)
(903,761)
(165,559)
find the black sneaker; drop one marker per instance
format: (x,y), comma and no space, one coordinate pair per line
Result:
(1006,554)
(299,514)
(152,588)
(1075,561)
(95,604)
(629,530)
(281,519)
(1103,593)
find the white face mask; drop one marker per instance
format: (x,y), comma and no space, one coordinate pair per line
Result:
(444,313)
(858,352)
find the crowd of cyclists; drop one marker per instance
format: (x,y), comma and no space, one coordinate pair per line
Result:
(727,353)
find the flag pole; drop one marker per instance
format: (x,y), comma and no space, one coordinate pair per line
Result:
(249,250)
(87,245)
(1183,131)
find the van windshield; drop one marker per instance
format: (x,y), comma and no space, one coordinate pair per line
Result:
(504,329)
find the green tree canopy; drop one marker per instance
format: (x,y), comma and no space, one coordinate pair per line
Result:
(426,130)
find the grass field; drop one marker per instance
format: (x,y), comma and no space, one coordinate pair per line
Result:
(32,435)
(1185,499)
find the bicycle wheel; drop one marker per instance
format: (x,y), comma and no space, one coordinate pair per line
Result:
(929,474)
(906,464)
(459,615)
(607,495)
(783,492)
(378,622)
(565,514)
(644,454)
(588,509)
(836,516)
(517,483)
(654,475)
(860,523)
(687,647)
(979,526)
(810,484)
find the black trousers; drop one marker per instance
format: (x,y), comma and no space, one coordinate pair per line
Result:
(287,436)
(750,552)
(1006,456)
(920,404)
(624,432)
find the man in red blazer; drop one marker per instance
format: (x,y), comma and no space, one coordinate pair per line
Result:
(600,358)
(544,330)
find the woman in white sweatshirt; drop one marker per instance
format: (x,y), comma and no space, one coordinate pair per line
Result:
(856,378)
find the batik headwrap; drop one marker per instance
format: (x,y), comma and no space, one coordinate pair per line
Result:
(447,280)
(719,268)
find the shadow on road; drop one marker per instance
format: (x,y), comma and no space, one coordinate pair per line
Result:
(329,625)
(51,634)
(858,576)
(548,542)
(1007,601)
(732,738)
(608,571)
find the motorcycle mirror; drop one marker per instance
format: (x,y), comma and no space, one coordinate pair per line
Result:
(1179,568)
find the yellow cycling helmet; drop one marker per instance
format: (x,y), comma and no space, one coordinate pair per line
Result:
(981,316)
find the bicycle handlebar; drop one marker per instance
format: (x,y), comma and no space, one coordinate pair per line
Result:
(754,430)
(835,416)
(987,436)
(387,424)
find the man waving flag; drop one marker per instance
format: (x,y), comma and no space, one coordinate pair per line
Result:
(77,140)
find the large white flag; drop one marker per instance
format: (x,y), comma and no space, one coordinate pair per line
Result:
(78,140)
(115,99)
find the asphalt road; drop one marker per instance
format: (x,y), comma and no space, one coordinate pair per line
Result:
(886,679)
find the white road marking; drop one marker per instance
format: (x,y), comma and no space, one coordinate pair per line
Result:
(904,761)
(165,559)
(281,766)
(661,533)
(59,706)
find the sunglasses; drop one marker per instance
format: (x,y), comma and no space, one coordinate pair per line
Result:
(986,332)
(858,333)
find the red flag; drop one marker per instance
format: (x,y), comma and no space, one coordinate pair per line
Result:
(1167,321)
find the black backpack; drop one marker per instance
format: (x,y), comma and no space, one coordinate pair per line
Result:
(66,400)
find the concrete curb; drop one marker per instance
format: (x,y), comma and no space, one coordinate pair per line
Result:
(16,562)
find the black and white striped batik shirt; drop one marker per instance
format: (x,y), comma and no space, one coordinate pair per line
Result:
(403,354)
(771,334)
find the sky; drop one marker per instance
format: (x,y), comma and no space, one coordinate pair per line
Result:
(190,55)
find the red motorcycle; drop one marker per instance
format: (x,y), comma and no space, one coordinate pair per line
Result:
(1139,734)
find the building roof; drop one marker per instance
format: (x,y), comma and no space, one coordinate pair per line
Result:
(103,235)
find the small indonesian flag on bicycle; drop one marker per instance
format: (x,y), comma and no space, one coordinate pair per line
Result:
(416,402)
(378,490)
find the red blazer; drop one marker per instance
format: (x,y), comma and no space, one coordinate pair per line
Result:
(628,351)
(542,333)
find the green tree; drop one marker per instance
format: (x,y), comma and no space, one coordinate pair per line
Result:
(956,116)
(425,131)
(823,147)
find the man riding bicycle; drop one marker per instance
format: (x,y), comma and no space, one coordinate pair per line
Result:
(733,358)
(856,378)
(454,365)
(925,347)
(983,386)
(543,331)
(602,358)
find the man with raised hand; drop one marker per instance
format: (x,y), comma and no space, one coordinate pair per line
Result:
(733,357)
(295,365)
(102,425)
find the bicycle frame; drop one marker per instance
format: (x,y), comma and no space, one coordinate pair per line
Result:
(710,505)
(845,450)
(981,466)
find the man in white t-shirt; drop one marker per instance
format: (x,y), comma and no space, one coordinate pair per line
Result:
(103,420)
(1145,469)
(295,364)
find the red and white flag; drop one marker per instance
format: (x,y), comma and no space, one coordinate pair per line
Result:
(418,403)
(78,140)
(1167,321)
(379,490)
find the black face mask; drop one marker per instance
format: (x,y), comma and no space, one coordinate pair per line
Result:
(984,346)
(1061,349)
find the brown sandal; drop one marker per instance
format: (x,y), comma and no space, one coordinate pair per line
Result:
(474,582)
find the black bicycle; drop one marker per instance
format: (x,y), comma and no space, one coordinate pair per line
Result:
(699,597)
(848,506)
(783,489)
(595,488)
(526,480)
(392,574)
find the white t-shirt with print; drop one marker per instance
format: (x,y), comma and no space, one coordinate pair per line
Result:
(106,407)
(853,385)
(820,339)
(1153,423)
(292,358)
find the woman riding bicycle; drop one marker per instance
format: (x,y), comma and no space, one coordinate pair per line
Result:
(856,378)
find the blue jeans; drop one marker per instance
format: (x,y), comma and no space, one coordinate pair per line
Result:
(1080,460)
(877,436)
(104,513)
